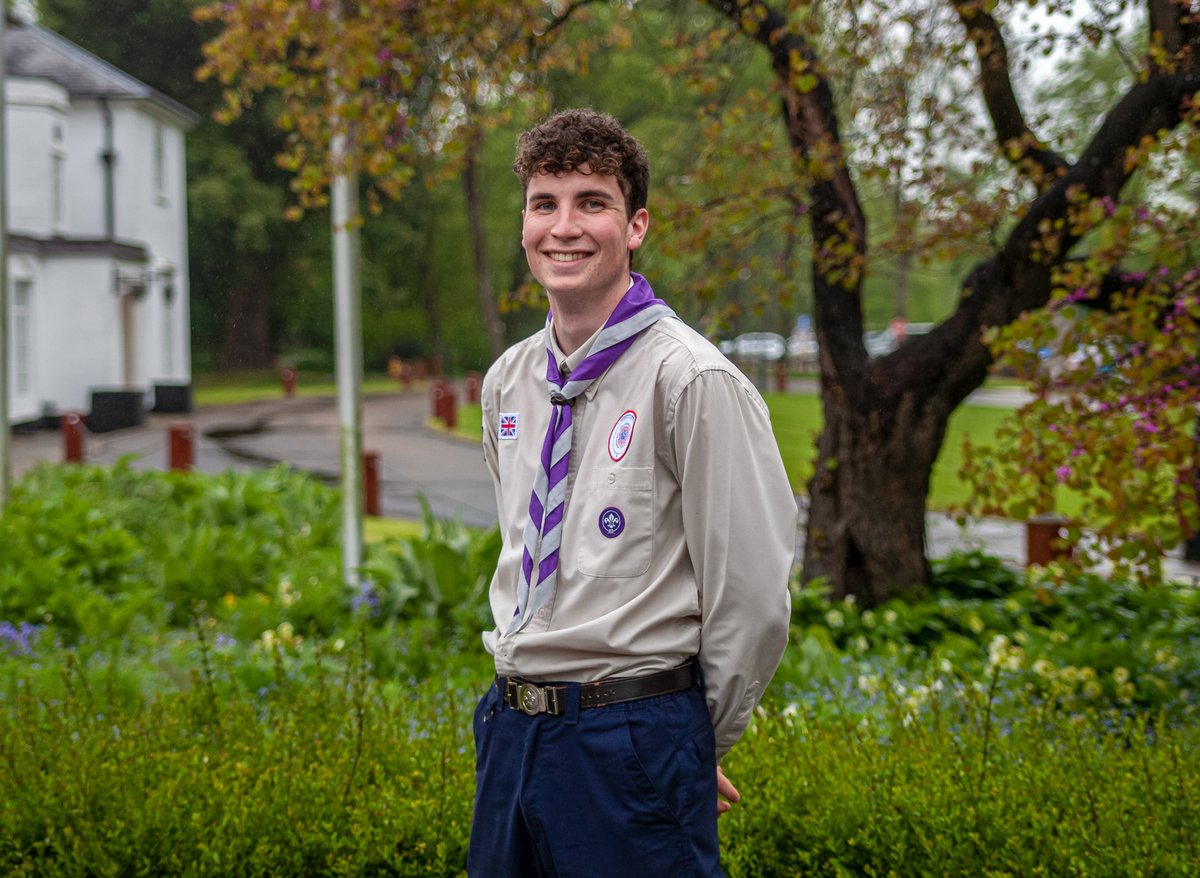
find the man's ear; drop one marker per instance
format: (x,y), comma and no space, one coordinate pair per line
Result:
(639,224)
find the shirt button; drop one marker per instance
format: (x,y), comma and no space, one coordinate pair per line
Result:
(542,613)
(612,478)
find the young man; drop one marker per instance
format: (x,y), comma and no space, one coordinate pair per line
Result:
(640,599)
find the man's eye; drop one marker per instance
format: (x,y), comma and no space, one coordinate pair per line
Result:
(594,204)
(543,206)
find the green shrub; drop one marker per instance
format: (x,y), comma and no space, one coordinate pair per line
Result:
(1053,795)
(1084,642)
(327,778)
(340,774)
(115,566)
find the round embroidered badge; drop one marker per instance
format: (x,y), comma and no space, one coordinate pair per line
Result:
(622,432)
(612,522)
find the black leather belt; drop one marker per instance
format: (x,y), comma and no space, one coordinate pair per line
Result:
(534,698)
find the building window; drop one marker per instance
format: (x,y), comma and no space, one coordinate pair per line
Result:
(22,336)
(168,331)
(58,192)
(160,164)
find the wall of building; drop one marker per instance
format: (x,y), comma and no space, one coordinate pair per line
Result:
(95,319)
(38,133)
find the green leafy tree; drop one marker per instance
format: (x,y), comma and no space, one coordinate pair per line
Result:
(885,418)
(415,87)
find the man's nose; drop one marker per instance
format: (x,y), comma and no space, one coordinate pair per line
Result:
(566,223)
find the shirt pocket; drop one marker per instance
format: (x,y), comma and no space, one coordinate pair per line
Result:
(614,507)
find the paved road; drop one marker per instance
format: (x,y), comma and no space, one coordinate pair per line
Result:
(416,460)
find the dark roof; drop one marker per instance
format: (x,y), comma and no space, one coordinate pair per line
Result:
(35,52)
(122,250)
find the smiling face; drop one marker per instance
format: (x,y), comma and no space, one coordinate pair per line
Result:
(577,238)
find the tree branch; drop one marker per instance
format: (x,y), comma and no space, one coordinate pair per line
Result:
(1019,277)
(839,225)
(1013,134)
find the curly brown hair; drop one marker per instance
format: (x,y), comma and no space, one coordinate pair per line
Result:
(569,139)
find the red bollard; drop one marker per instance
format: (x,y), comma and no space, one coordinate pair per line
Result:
(471,387)
(288,377)
(781,377)
(371,482)
(1046,540)
(443,403)
(181,446)
(72,430)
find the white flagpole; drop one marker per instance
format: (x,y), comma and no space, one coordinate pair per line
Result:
(347,315)
(347,311)
(5,428)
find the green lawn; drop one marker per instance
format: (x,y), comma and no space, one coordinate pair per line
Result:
(242,387)
(797,420)
(377,529)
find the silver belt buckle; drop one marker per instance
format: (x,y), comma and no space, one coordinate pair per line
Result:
(531,699)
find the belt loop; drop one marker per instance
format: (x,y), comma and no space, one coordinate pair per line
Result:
(571,715)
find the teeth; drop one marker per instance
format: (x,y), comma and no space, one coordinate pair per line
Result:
(566,257)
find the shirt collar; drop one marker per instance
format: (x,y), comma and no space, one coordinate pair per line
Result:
(568,364)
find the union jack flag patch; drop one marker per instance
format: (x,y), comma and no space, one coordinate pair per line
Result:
(508,425)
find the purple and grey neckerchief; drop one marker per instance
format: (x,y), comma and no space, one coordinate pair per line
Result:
(635,312)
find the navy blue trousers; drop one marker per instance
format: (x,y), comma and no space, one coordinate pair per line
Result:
(610,792)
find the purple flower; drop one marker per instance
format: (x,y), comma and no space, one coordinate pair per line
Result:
(17,637)
(1063,473)
(366,597)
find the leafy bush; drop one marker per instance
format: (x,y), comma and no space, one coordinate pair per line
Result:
(326,778)
(956,793)
(341,774)
(116,563)
(1087,640)
(78,542)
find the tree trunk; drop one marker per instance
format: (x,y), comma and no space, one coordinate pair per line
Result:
(903,262)
(247,328)
(429,296)
(866,517)
(483,274)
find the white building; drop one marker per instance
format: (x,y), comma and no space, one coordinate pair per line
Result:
(97,216)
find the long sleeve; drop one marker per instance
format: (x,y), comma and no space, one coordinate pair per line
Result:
(740,522)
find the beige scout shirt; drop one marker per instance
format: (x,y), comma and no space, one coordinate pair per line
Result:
(701,566)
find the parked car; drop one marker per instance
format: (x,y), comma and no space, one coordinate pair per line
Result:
(803,345)
(881,342)
(754,346)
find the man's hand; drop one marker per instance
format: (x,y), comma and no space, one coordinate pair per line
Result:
(727,793)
